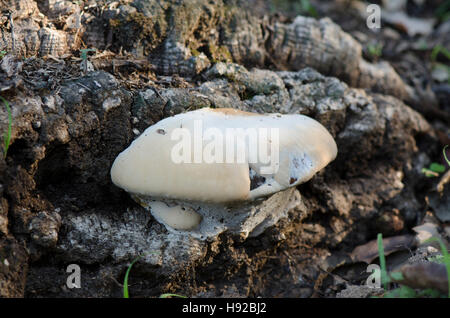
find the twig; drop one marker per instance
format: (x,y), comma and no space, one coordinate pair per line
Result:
(84,86)
(159,95)
(13,39)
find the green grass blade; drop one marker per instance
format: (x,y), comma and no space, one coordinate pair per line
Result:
(125,280)
(7,136)
(127,274)
(308,7)
(439,49)
(445,155)
(401,292)
(384,279)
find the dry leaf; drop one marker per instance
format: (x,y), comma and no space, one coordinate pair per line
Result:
(369,251)
(411,25)
(425,275)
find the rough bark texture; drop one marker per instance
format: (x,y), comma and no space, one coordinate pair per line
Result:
(58,205)
(184,37)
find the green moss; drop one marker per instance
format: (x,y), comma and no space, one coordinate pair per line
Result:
(220,53)
(7,135)
(144,23)
(195,52)
(152,29)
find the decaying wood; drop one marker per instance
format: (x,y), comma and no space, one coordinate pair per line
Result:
(185,38)
(68,125)
(323,45)
(30,31)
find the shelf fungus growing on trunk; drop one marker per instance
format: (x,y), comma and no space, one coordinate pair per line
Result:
(197,171)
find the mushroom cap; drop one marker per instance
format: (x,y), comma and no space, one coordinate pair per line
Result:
(147,166)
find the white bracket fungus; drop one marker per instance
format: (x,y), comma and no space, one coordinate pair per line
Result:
(187,166)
